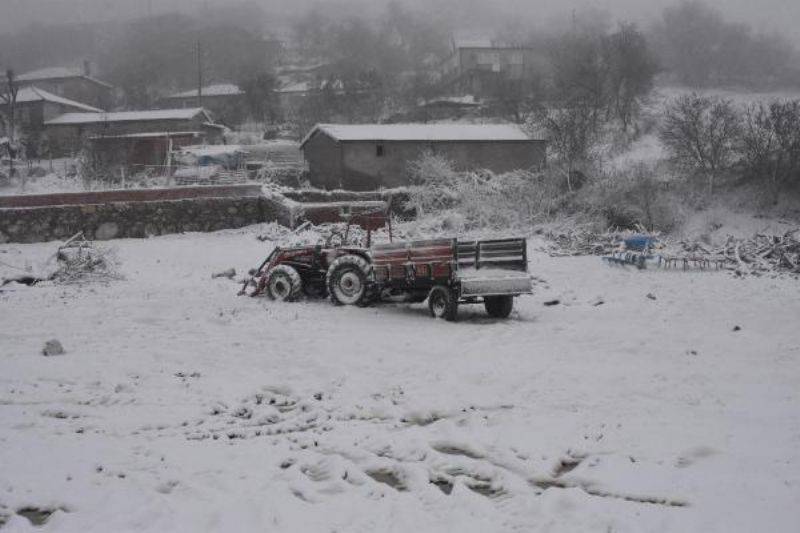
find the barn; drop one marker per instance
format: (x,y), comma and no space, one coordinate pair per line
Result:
(374,156)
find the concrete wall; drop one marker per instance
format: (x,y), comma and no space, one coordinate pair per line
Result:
(324,157)
(364,169)
(361,168)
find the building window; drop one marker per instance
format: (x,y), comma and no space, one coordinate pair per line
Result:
(379,150)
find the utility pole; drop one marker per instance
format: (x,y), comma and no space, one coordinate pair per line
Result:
(199,74)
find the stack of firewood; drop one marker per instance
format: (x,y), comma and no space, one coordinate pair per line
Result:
(762,253)
(581,242)
(757,255)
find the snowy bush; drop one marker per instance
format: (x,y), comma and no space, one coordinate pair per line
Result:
(634,196)
(480,199)
(282,175)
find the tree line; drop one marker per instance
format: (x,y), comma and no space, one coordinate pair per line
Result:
(377,64)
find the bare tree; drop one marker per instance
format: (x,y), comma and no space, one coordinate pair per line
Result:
(260,98)
(572,134)
(700,48)
(9,99)
(701,134)
(770,143)
(631,72)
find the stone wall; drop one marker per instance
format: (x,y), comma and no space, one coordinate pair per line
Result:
(143,213)
(137,219)
(129,195)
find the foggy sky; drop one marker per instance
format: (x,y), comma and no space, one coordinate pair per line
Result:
(762,15)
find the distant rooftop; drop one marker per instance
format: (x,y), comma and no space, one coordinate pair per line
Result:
(58,73)
(420,132)
(482,42)
(467,101)
(34,94)
(129,116)
(219,89)
(307,86)
(299,87)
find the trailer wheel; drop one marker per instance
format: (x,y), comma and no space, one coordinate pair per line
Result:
(442,303)
(284,284)
(347,280)
(498,306)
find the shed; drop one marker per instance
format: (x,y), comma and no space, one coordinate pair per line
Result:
(373,156)
(70,130)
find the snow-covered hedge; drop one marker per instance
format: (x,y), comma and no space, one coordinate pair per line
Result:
(480,199)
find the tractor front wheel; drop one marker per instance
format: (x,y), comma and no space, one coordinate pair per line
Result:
(443,303)
(499,306)
(284,284)
(347,280)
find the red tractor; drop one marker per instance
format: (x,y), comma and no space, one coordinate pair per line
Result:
(446,272)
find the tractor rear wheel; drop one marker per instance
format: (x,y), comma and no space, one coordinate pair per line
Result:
(347,280)
(284,284)
(442,303)
(499,306)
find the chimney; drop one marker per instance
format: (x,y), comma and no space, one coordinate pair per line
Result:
(87,68)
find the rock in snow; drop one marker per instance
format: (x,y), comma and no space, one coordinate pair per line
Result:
(52,347)
(230,274)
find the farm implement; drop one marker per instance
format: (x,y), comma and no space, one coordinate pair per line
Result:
(641,252)
(445,272)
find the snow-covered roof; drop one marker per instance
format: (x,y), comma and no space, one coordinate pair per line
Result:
(473,43)
(420,132)
(57,73)
(149,135)
(213,149)
(129,116)
(299,87)
(483,42)
(51,73)
(306,86)
(34,94)
(219,89)
(468,100)
(303,68)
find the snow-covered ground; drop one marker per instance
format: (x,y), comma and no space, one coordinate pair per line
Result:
(179,406)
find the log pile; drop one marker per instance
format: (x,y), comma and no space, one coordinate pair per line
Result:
(757,255)
(762,254)
(582,242)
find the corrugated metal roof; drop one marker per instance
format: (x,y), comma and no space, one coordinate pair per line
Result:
(420,132)
(129,116)
(34,94)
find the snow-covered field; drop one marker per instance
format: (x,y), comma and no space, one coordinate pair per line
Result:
(182,407)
